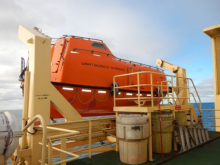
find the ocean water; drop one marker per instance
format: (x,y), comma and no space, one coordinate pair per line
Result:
(206,121)
(207,113)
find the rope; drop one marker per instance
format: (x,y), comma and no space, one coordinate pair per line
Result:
(74,97)
(87,101)
(93,96)
(104,99)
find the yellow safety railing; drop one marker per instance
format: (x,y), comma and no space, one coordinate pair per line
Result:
(200,106)
(66,134)
(63,151)
(211,117)
(168,89)
(90,130)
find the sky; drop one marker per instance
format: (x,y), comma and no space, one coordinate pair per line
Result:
(137,30)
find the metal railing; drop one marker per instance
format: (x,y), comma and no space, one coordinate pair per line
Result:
(212,117)
(155,88)
(68,134)
(168,97)
(63,152)
(200,106)
(90,131)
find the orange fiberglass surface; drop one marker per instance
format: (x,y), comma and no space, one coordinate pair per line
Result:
(82,69)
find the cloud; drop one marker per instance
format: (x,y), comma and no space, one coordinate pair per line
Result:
(113,22)
(140,31)
(122,28)
(10,96)
(205,90)
(10,92)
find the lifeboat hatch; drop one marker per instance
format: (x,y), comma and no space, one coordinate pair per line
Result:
(57,55)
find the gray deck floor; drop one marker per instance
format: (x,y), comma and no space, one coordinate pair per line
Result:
(208,154)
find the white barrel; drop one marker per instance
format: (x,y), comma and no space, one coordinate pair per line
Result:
(132,131)
(9,134)
(132,127)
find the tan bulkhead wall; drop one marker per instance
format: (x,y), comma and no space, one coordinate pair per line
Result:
(214,33)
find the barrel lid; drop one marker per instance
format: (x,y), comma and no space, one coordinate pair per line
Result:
(130,119)
(133,115)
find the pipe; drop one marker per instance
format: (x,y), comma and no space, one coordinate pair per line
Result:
(61,129)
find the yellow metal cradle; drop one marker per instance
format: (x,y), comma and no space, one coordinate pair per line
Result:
(39,93)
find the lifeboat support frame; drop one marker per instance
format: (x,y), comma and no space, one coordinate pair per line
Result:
(39,94)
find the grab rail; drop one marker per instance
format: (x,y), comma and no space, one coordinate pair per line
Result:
(214,126)
(165,87)
(44,135)
(196,94)
(120,59)
(196,102)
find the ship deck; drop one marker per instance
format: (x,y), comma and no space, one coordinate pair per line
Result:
(205,154)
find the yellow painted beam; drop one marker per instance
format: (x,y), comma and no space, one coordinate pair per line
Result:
(41,92)
(214,33)
(85,150)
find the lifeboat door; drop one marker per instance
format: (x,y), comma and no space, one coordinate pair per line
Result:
(57,54)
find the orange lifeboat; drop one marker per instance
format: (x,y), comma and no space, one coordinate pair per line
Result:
(82,69)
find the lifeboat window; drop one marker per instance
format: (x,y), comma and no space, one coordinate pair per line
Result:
(68,89)
(98,45)
(74,52)
(97,55)
(148,94)
(129,94)
(86,90)
(140,94)
(101,91)
(119,93)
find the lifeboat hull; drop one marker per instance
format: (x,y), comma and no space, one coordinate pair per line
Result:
(82,70)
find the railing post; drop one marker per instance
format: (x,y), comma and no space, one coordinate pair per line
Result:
(117,141)
(150,138)
(172,90)
(152,94)
(188,91)
(213,115)
(50,152)
(138,83)
(168,94)
(63,147)
(200,106)
(114,91)
(90,139)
